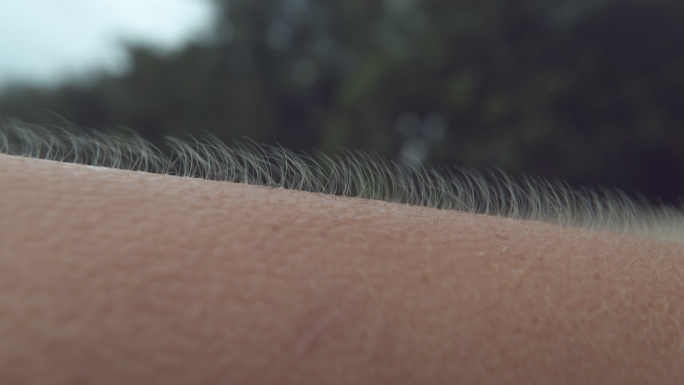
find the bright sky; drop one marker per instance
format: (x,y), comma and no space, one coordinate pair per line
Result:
(45,40)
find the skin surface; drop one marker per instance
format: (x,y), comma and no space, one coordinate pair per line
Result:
(112,277)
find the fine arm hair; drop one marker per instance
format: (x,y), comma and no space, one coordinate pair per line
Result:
(350,174)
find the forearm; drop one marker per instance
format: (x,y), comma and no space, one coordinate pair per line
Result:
(118,277)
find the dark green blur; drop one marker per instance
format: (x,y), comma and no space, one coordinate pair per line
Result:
(588,91)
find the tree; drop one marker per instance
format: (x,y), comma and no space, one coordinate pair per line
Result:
(584,90)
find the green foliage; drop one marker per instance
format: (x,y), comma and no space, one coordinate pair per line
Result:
(585,90)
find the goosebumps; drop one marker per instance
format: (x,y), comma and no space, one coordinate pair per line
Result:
(351,173)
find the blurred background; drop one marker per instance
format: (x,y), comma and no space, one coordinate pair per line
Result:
(590,91)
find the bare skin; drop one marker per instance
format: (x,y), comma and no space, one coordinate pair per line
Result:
(111,277)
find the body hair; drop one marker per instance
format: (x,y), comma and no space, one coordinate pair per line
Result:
(351,174)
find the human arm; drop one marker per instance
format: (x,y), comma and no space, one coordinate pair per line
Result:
(110,276)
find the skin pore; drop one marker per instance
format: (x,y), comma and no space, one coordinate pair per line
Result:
(111,276)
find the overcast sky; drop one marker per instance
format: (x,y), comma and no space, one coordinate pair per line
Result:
(45,40)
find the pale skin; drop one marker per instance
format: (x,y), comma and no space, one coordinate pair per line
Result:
(113,277)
